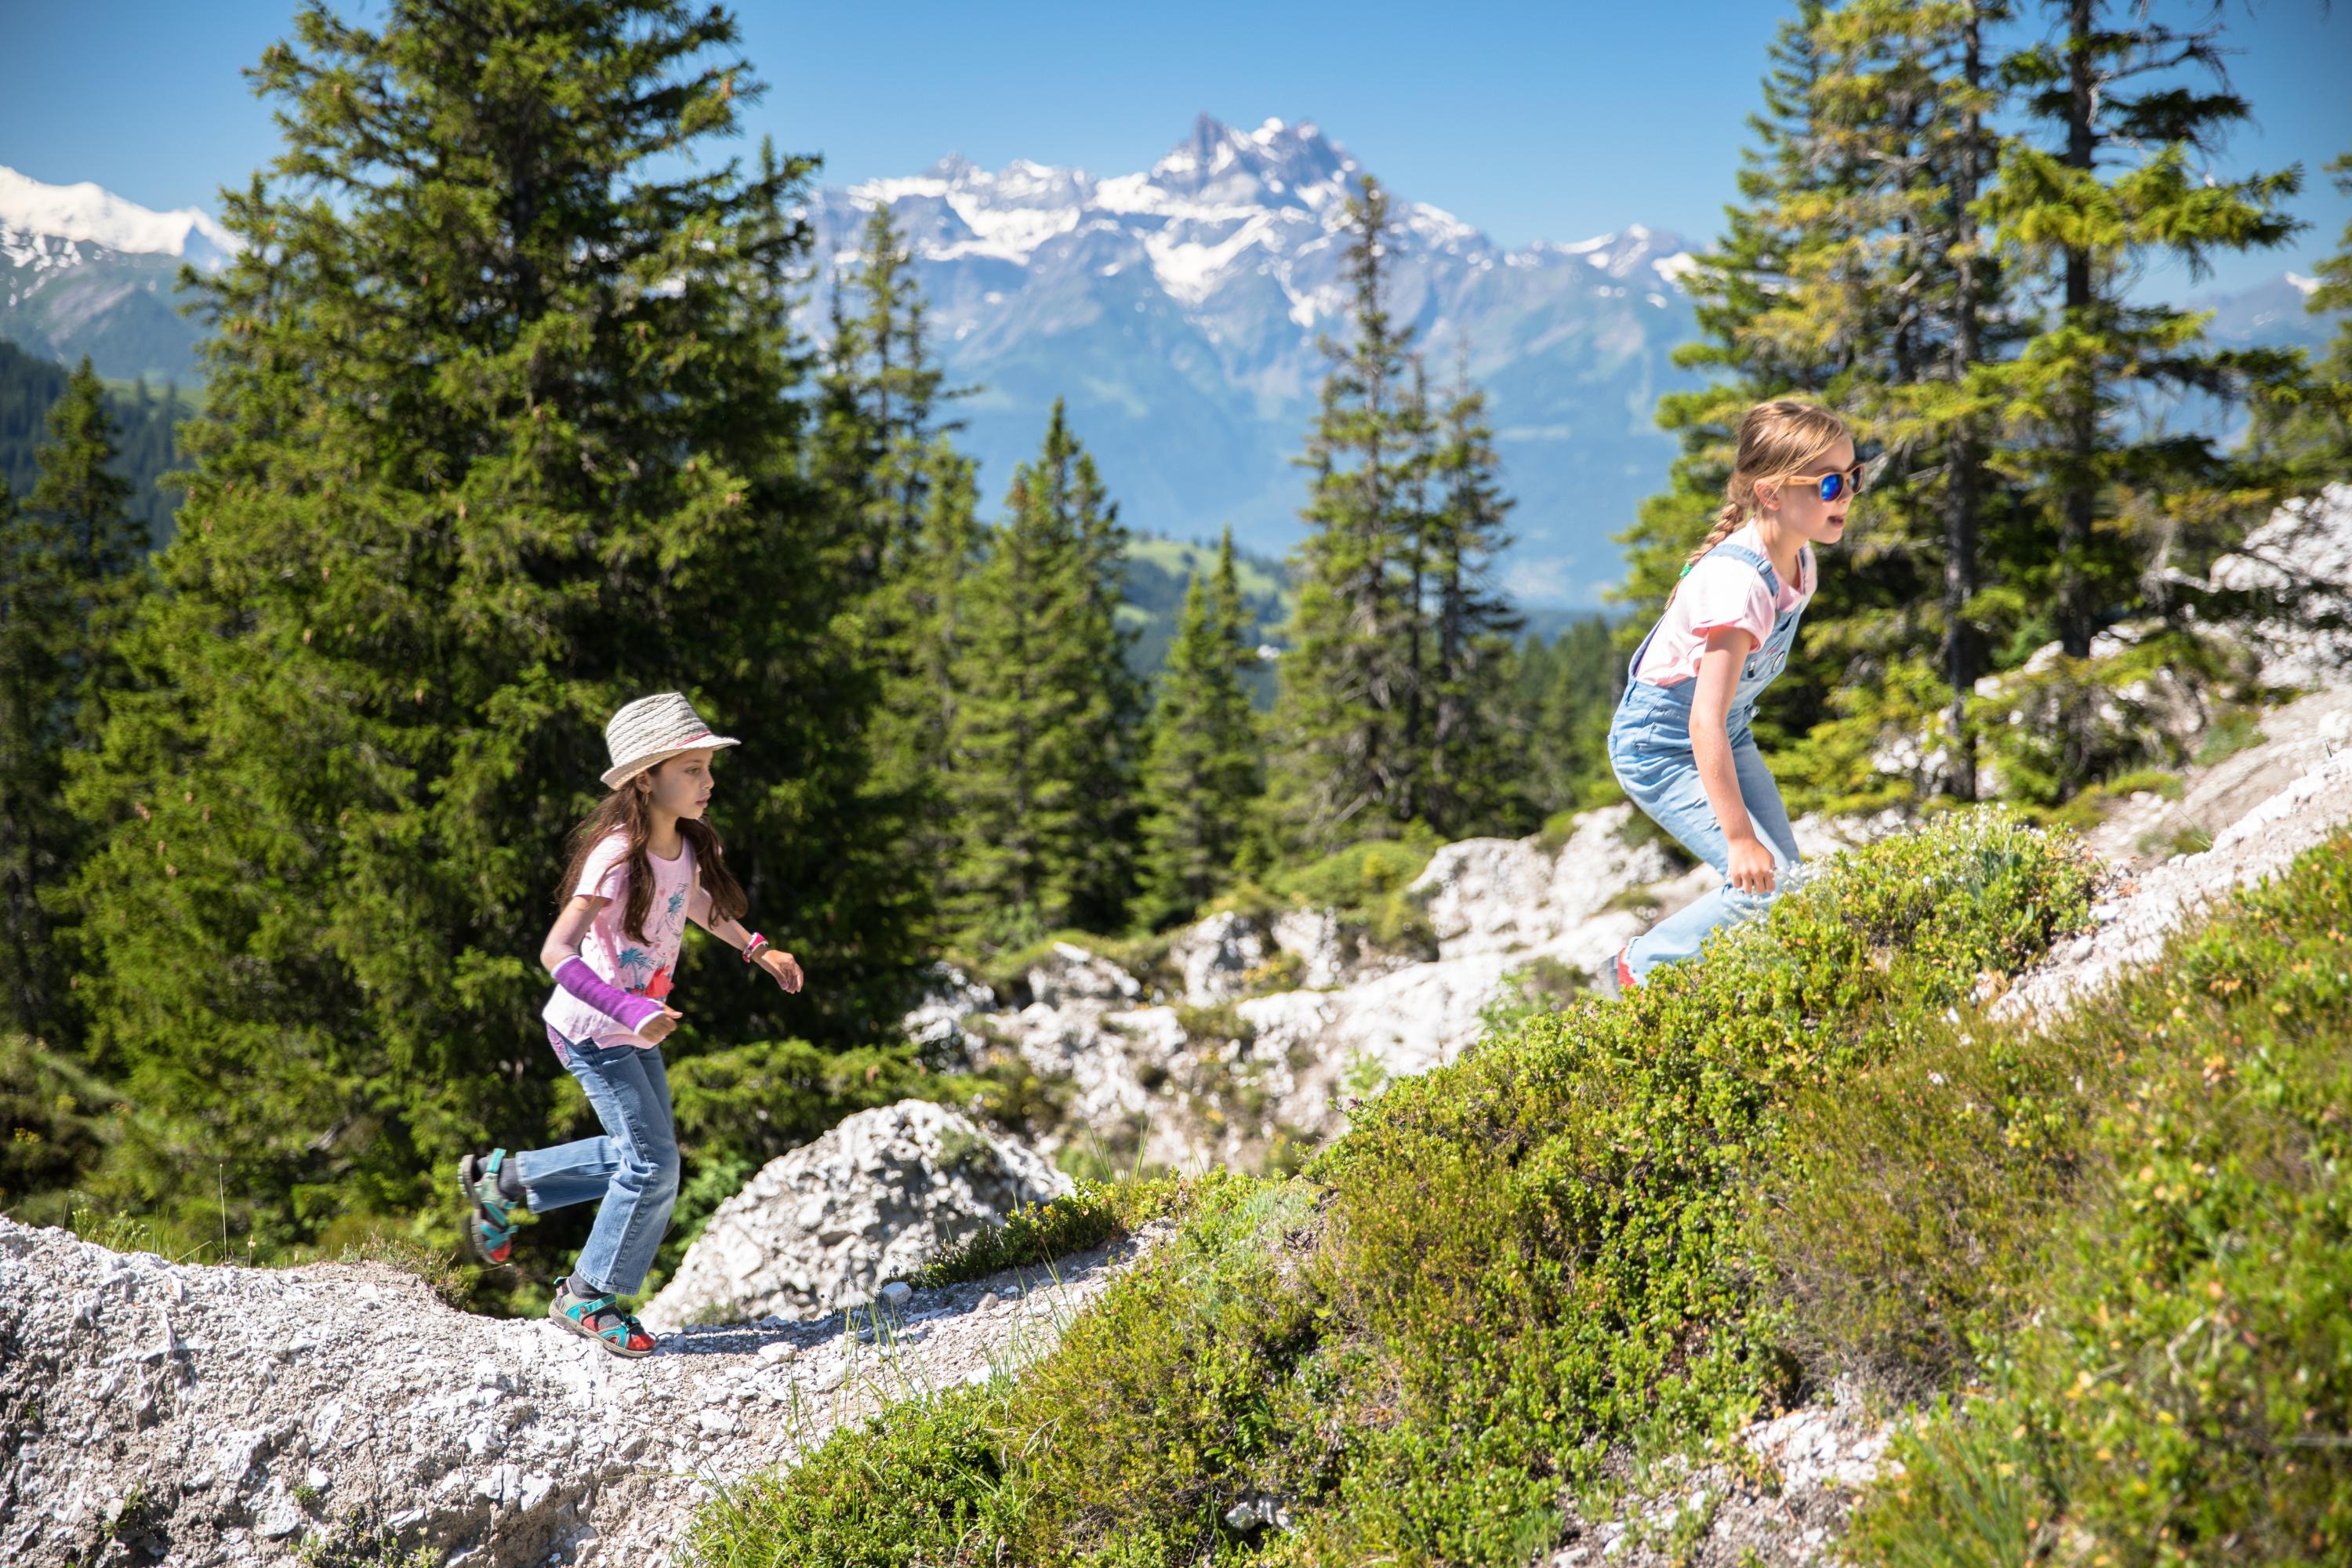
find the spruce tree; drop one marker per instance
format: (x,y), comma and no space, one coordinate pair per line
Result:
(39,624)
(1202,773)
(1896,275)
(2307,425)
(1564,695)
(888,387)
(1471,786)
(1041,776)
(502,430)
(1344,768)
(73,570)
(2122,188)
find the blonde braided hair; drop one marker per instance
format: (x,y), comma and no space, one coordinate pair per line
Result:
(1776,438)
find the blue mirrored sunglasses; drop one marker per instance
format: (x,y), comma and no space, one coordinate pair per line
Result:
(1845,481)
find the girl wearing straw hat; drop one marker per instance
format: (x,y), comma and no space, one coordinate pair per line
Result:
(643,863)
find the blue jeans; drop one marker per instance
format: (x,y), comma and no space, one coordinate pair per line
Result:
(632,1167)
(1650,751)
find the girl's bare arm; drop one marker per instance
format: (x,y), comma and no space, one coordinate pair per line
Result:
(571,924)
(1751,868)
(783,965)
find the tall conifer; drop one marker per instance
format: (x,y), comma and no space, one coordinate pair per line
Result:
(38,627)
(73,570)
(2123,184)
(500,431)
(1344,767)
(1202,773)
(1040,777)
(1470,777)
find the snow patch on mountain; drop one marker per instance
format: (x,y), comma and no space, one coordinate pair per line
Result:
(87,214)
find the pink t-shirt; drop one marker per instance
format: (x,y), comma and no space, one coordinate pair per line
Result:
(1721,592)
(642,968)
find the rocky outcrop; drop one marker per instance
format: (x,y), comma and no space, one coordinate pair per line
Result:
(2269,804)
(1265,1028)
(2299,565)
(153,1411)
(824,1226)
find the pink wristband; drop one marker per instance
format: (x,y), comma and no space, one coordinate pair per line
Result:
(753,946)
(577,978)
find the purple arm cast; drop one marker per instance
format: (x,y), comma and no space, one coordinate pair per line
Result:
(574,975)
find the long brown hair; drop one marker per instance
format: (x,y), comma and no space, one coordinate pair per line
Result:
(629,809)
(1776,438)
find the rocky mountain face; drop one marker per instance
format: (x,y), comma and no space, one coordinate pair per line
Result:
(1179,310)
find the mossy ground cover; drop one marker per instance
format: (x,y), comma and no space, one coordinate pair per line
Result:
(2110,1257)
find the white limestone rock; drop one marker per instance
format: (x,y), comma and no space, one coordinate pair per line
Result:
(823,1226)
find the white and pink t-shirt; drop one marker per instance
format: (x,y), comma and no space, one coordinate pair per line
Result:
(643,968)
(1721,592)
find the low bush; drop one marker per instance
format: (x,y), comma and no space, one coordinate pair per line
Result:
(2176,1385)
(1038,1234)
(1423,1344)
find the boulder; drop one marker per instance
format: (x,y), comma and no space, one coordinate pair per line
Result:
(824,1226)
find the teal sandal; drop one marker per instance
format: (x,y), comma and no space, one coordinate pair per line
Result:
(489,1224)
(599,1317)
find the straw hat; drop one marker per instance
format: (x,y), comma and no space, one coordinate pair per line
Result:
(652,730)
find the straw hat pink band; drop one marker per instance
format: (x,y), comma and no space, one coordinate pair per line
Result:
(652,730)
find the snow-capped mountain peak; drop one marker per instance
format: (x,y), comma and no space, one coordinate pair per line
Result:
(90,214)
(1279,160)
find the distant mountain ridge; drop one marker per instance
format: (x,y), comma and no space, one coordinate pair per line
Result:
(1178,311)
(83,271)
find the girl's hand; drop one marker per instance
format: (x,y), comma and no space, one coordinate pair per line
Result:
(782,964)
(1751,866)
(654,1031)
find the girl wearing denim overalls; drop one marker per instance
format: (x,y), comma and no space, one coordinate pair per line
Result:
(642,866)
(1681,743)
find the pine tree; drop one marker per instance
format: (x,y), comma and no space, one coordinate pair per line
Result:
(925,607)
(2306,425)
(2122,189)
(73,569)
(37,635)
(1344,763)
(1896,275)
(2125,495)
(1564,696)
(1203,774)
(502,429)
(1471,782)
(883,378)
(1040,777)
(82,491)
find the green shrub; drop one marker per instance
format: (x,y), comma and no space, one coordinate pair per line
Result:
(1365,885)
(1038,1234)
(1507,1268)
(923,1482)
(2233,733)
(2179,1386)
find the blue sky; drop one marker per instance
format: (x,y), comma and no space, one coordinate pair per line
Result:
(1541,121)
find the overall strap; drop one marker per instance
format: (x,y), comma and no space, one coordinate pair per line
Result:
(1737,552)
(1741,552)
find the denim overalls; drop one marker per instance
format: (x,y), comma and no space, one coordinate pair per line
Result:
(1650,751)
